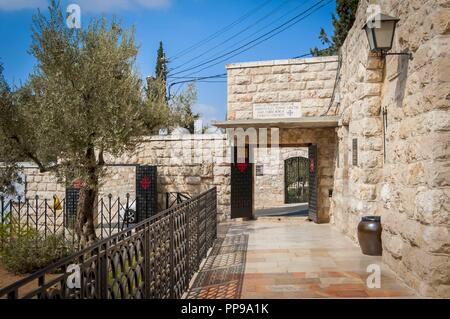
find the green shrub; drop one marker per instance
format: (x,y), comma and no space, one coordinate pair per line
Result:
(31,251)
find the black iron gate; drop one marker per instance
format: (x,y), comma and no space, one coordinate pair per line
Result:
(296,180)
(241,186)
(146,192)
(71,202)
(313,172)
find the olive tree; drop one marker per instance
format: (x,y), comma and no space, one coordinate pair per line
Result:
(83,100)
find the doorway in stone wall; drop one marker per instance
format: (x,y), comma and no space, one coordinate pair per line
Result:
(281,181)
(242,184)
(287,187)
(296,180)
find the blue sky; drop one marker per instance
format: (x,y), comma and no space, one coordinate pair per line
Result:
(180,24)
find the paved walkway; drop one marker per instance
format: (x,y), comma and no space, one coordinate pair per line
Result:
(287,210)
(289,258)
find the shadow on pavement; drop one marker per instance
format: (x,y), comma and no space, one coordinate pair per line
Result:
(285,211)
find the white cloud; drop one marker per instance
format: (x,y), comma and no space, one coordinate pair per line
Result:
(87,5)
(114,5)
(12,5)
(207,112)
(154,3)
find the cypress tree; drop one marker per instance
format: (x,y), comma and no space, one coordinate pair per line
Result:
(342,23)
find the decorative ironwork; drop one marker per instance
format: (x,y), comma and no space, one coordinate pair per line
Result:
(146,192)
(241,186)
(296,179)
(155,258)
(57,216)
(223,272)
(175,198)
(313,177)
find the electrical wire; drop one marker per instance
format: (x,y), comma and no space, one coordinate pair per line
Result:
(196,79)
(262,38)
(336,81)
(219,32)
(232,37)
(257,43)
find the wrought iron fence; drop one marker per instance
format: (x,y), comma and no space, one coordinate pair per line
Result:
(175,198)
(56,216)
(155,258)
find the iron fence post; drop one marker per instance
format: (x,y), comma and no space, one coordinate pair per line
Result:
(54,219)
(36,212)
(101,218)
(147,279)
(103,264)
(27,203)
(198,237)
(127,211)
(18,214)
(109,213)
(188,239)
(172,259)
(45,218)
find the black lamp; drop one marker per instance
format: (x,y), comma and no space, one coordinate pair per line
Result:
(380,30)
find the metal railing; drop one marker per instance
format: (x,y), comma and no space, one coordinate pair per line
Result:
(50,217)
(155,258)
(175,198)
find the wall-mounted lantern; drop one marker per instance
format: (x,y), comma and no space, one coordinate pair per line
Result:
(380,30)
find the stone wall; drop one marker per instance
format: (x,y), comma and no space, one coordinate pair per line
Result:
(403,177)
(325,139)
(307,83)
(269,188)
(189,163)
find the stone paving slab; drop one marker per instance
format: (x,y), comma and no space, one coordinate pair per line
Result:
(290,258)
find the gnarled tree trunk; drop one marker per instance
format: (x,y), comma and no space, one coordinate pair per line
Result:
(85,215)
(85,227)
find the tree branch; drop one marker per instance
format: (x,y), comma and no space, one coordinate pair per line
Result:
(32,156)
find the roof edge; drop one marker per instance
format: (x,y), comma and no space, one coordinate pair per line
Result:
(252,64)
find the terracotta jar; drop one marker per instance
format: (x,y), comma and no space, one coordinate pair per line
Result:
(369,235)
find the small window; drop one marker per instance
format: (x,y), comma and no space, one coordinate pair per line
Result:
(259,170)
(355,152)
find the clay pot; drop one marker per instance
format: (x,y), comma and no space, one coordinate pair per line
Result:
(369,235)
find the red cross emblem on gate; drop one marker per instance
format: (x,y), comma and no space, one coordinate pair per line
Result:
(311,166)
(242,167)
(145,182)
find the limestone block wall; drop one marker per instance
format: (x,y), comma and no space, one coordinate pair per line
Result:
(326,140)
(269,188)
(403,177)
(187,163)
(44,185)
(306,83)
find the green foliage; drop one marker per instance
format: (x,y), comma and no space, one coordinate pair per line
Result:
(30,251)
(84,95)
(25,250)
(8,155)
(161,64)
(182,108)
(83,100)
(162,112)
(158,112)
(346,11)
